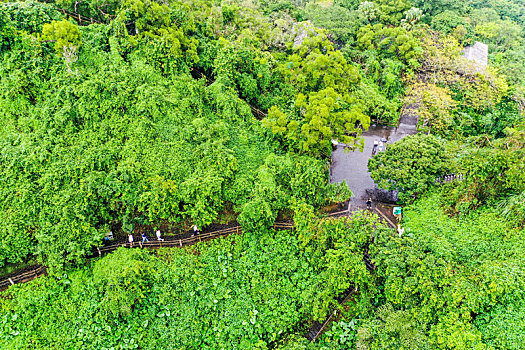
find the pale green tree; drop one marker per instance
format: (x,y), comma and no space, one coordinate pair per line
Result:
(63,33)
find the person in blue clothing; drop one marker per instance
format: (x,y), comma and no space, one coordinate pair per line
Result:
(144,238)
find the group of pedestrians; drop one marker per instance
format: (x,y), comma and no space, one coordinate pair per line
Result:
(145,239)
(158,233)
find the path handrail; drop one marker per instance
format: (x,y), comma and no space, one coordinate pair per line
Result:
(327,321)
(389,222)
(32,274)
(338,213)
(40,270)
(171,243)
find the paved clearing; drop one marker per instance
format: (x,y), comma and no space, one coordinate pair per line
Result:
(353,166)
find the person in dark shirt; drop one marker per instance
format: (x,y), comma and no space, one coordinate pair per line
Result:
(374,149)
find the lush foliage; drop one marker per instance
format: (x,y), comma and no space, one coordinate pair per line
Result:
(491,173)
(448,283)
(247,291)
(325,108)
(447,276)
(105,125)
(145,113)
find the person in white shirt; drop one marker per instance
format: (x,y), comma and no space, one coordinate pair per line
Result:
(195,230)
(158,236)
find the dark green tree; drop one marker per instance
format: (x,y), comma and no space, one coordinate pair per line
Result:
(411,165)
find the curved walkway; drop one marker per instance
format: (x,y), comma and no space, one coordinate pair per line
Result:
(23,277)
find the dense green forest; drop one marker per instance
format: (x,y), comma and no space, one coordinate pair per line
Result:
(126,114)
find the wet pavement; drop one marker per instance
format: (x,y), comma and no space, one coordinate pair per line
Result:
(353,166)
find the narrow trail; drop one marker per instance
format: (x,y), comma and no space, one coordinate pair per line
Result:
(171,242)
(318,328)
(26,276)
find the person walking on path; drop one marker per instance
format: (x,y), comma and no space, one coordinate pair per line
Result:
(130,239)
(369,203)
(195,230)
(144,238)
(158,236)
(374,149)
(400,231)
